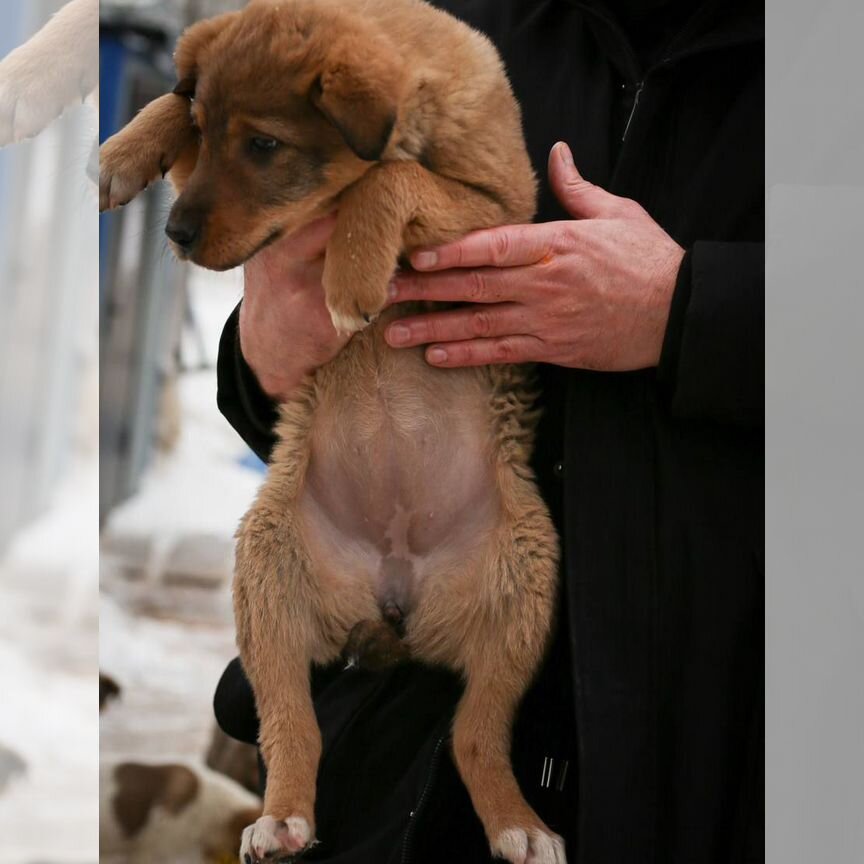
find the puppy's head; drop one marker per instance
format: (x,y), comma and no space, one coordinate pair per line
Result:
(293,103)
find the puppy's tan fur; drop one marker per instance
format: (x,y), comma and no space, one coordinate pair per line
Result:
(392,482)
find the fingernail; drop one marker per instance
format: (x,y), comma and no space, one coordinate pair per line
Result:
(398,334)
(566,155)
(424,259)
(436,355)
(392,289)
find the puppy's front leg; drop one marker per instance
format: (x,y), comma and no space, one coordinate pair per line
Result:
(159,139)
(394,206)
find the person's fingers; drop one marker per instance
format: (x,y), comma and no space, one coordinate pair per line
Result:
(484,352)
(581,199)
(507,246)
(483,285)
(457,324)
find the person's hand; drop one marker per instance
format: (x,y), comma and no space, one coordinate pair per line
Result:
(592,293)
(285,328)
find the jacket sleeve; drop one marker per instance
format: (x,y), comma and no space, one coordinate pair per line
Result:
(712,366)
(239,396)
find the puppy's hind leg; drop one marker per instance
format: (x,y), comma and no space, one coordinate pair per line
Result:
(276,614)
(161,138)
(503,645)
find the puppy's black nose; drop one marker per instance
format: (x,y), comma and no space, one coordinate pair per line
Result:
(183,232)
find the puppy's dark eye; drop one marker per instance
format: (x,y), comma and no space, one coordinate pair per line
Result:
(262,144)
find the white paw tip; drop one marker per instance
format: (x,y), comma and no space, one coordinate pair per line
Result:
(346,325)
(511,845)
(269,835)
(529,846)
(294,830)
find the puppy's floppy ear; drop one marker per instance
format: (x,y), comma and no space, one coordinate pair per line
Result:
(192,43)
(359,91)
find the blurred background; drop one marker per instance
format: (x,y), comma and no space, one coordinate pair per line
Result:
(49,470)
(175,478)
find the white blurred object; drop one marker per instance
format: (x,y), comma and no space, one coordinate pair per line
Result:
(49,326)
(11,766)
(49,718)
(49,466)
(56,68)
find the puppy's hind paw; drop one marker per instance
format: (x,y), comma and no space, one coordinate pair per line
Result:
(271,841)
(529,846)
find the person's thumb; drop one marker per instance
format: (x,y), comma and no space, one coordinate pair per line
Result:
(581,199)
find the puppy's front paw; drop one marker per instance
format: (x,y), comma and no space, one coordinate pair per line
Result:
(355,291)
(529,846)
(349,317)
(126,167)
(351,307)
(270,841)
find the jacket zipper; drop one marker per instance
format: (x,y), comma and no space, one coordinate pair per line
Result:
(408,837)
(633,107)
(667,61)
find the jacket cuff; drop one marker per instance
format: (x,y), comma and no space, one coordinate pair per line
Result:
(667,369)
(243,403)
(712,366)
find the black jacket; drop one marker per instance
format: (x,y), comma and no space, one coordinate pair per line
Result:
(652,694)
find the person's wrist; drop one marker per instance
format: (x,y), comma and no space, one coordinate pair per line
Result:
(278,388)
(662,300)
(277,385)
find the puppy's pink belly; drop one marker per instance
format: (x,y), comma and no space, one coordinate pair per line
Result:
(397,525)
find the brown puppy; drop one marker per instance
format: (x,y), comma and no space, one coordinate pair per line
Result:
(398,493)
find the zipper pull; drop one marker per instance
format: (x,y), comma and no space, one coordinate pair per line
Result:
(639,87)
(548,773)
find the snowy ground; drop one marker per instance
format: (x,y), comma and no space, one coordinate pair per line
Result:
(166,628)
(48,666)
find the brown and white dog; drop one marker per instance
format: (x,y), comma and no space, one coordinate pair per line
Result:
(182,813)
(399,514)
